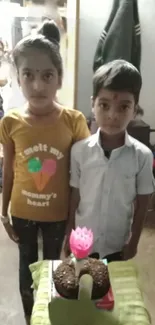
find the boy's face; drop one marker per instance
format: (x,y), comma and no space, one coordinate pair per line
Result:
(38,79)
(113,111)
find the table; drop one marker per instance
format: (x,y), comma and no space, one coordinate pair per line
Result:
(129,304)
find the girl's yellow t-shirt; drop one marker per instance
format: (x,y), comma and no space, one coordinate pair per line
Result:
(42,163)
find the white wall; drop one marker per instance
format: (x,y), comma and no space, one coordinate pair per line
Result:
(93,17)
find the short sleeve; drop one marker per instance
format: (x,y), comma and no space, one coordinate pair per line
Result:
(75,167)
(4,130)
(145,179)
(81,130)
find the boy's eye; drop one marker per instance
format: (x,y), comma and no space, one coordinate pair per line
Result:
(48,77)
(104,106)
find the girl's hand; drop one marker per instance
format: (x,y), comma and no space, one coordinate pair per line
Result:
(11,233)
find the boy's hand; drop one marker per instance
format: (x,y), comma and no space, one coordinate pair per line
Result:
(11,233)
(66,246)
(129,251)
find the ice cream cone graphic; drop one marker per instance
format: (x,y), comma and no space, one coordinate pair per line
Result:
(44,179)
(37,177)
(48,170)
(41,173)
(34,167)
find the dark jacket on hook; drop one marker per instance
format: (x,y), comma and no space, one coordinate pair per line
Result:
(120,38)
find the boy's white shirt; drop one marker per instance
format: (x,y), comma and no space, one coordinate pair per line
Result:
(108,188)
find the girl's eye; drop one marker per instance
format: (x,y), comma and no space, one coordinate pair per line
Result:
(28,75)
(124,108)
(104,106)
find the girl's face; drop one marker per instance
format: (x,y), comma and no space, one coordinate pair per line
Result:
(38,79)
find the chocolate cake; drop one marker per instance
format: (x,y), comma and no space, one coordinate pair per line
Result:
(67,283)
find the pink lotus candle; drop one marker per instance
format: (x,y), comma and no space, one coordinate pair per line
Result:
(81,242)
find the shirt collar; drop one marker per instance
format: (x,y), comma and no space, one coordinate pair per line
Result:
(127,143)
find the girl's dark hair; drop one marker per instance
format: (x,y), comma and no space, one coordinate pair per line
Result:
(46,39)
(118,75)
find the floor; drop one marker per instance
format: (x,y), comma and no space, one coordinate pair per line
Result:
(145,261)
(10,305)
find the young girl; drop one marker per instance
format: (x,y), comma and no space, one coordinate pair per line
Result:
(36,141)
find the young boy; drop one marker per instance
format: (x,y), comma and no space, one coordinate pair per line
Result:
(110,170)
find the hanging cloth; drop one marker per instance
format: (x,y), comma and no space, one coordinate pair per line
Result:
(120,38)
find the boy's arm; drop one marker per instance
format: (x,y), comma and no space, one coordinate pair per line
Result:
(75,184)
(142,202)
(75,193)
(74,202)
(145,187)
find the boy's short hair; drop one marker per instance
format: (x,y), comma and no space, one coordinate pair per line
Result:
(118,75)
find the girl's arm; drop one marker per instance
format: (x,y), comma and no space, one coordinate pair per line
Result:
(8,175)
(81,130)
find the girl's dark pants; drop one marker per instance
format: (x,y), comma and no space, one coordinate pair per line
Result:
(53,235)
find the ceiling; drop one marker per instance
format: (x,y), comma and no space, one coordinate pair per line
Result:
(58,2)
(40,2)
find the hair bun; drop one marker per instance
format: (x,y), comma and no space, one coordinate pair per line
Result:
(50,30)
